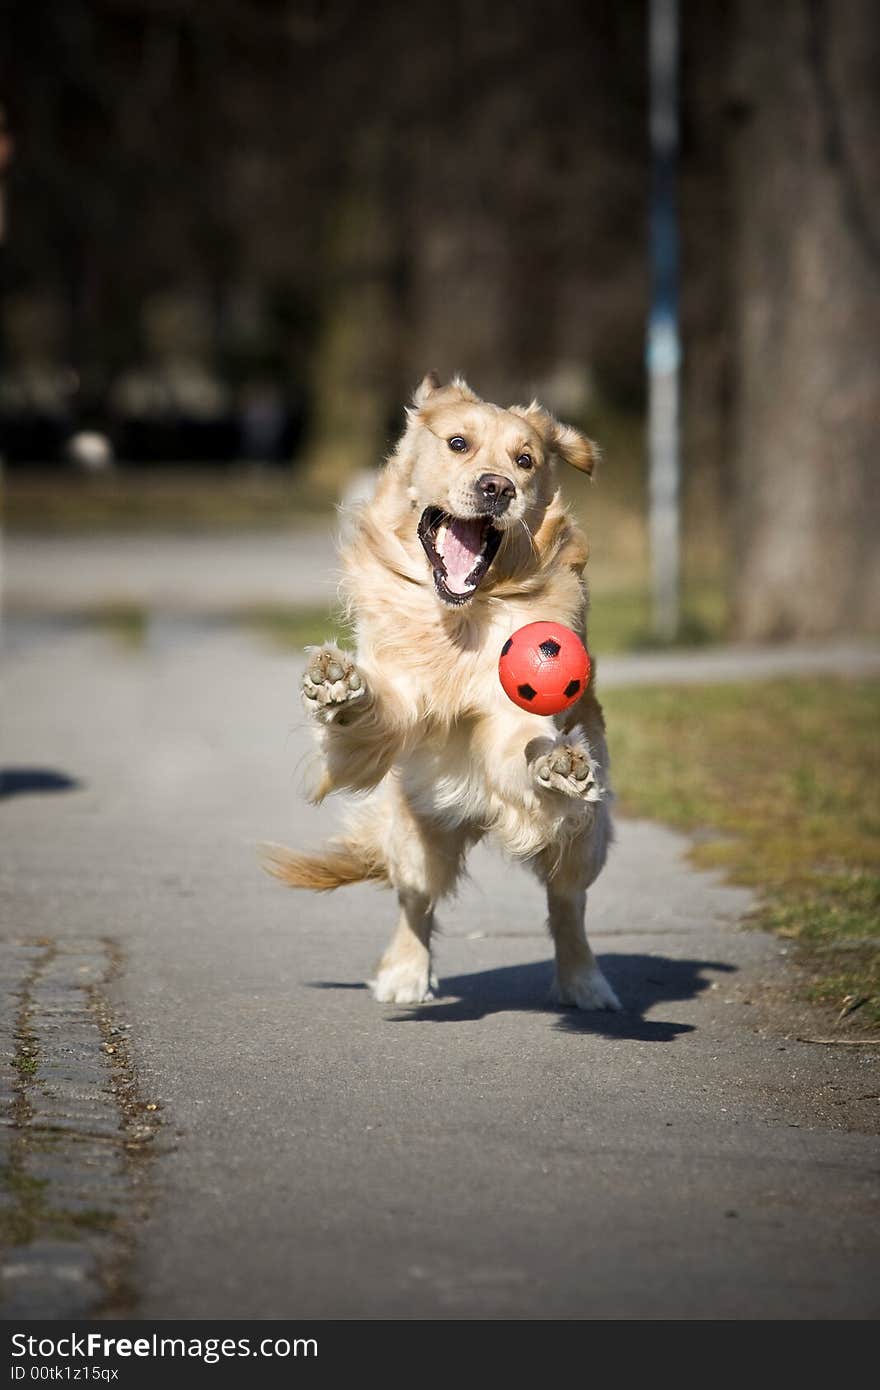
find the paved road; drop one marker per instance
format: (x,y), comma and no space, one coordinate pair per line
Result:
(181,578)
(159,571)
(481,1156)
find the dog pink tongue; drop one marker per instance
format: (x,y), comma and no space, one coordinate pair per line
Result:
(461,546)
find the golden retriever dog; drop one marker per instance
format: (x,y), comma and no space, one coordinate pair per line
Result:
(465,540)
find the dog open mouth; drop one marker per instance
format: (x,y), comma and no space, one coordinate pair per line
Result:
(459,550)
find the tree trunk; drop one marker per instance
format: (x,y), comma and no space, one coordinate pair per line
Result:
(806,291)
(353,377)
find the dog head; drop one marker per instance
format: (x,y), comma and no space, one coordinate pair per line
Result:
(477,472)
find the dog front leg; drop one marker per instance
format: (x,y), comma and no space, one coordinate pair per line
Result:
(573,772)
(361,727)
(532,767)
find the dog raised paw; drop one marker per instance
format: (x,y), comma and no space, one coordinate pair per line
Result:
(332,685)
(568,768)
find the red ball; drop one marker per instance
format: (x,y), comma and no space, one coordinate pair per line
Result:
(544,667)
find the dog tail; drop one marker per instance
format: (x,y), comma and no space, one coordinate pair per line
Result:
(340,863)
(358,856)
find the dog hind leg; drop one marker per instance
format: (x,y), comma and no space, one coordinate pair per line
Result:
(425,861)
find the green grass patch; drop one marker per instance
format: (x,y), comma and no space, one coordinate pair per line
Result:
(300,627)
(782,782)
(126,622)
(20,1214)
(620,619)
(168,499)
(27,1215)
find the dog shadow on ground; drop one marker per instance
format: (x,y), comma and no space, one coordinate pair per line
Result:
(641,982)
(18,781)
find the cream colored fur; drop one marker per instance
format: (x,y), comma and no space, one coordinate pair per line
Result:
(418,716)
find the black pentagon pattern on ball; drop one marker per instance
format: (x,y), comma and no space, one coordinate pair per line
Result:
(550,648)
(526,692)
(507,646)
(571,689)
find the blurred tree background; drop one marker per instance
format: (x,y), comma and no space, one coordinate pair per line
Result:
(242,229)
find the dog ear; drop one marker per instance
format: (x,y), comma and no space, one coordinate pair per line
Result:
(563,440)
(574,448)
(429,383)
(462,390)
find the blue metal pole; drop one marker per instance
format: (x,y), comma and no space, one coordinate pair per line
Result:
(664,344)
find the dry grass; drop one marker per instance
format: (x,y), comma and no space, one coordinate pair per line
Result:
(782,782)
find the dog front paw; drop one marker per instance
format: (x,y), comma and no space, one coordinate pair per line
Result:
(585,988)
(332,685)
(568,768)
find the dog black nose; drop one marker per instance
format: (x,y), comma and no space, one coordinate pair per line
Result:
(498,491)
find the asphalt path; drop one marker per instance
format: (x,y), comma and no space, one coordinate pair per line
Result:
(484,1155)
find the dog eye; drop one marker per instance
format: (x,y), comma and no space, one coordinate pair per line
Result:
(524,460)
(458,444)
